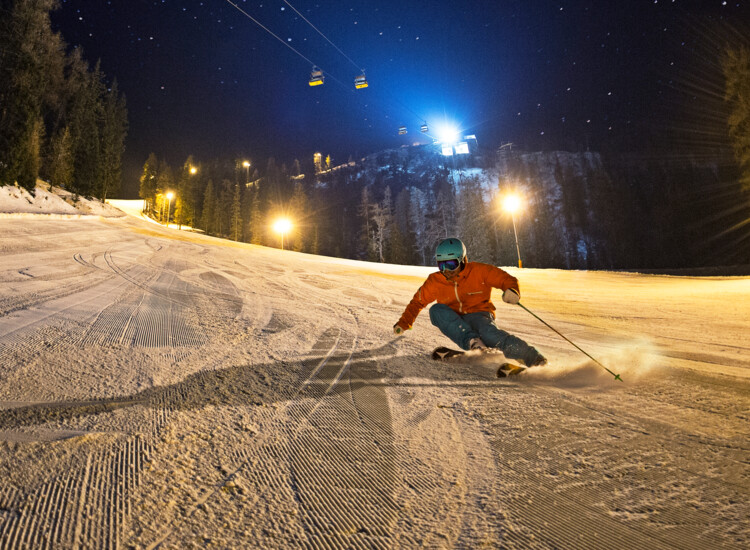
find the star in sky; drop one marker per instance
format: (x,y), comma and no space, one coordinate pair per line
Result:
(201,78)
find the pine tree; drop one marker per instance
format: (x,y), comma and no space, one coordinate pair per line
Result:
(246,212)
(315,244)
(236,222)
(365,211)
(402,239)
(113,130)
(418,216)
(299,211)
(442,220)
(223,211)
(147,190)
(86,112)
(257,219)
(61,159)
(736,66)
(382,217)
(184,210)
(473,223)
(164,185)
(28,53)
(209,208)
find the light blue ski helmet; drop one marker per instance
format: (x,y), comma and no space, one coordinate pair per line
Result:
(450,249)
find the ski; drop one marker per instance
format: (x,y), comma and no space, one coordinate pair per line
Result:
(448,354)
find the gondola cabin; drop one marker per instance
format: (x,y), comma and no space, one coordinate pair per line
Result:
(361,82)
(423,128)
(316,77)
(401,130)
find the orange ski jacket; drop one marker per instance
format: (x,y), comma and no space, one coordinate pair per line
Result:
(469,292)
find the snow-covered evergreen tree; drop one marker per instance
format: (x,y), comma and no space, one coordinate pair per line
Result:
(382,217)
(418,216)
(365,211)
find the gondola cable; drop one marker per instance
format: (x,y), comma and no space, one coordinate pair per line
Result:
(243,12)
(316,70)
(306,20)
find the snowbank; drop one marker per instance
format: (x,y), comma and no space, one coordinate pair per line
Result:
(51,201)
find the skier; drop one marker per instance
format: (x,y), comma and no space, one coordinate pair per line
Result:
(464,312)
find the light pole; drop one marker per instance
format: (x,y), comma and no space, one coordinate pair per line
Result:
(511,204)
(188,191)
(282,225)
(170,196)
(246,164)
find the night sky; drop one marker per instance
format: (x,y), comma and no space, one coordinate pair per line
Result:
(202,78)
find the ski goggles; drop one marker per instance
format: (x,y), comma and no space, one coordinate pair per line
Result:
(448,265)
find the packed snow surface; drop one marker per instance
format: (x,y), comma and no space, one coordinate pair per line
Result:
(163,388)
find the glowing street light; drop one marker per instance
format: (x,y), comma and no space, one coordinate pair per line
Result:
(246,164)
(282,226)
(512,204)
(170,196)
(193,169)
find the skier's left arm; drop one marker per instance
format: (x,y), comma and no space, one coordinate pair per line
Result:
(423,297)
(497,278)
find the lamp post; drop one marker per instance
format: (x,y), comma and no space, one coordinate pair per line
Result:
(511,204)
(170,196)
(282,226)
(246,164)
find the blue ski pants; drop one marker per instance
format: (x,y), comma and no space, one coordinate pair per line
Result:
(463,328)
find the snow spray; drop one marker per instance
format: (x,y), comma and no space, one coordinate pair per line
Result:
(545,323)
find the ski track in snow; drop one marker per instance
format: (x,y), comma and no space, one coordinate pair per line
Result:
(162,389)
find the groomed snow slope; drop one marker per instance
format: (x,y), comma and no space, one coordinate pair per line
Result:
(163,388)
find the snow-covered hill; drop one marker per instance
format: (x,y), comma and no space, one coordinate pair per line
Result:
(161,387)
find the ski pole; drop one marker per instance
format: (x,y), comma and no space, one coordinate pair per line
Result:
(617,376)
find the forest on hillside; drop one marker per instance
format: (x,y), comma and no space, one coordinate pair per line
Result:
(670,205)
(60,118)
(581,210)
(678,200)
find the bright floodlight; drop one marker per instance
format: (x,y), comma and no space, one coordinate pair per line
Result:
(282,225)
(246,164)
(448,134)
(511,203)
(170,196)
(193,169)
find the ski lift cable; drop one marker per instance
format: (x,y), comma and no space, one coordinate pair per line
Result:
(323,35)
(346,56)
(391,99)
(243,12)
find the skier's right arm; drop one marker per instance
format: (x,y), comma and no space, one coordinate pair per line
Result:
(421,299)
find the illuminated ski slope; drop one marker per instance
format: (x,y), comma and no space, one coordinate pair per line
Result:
(160,386)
